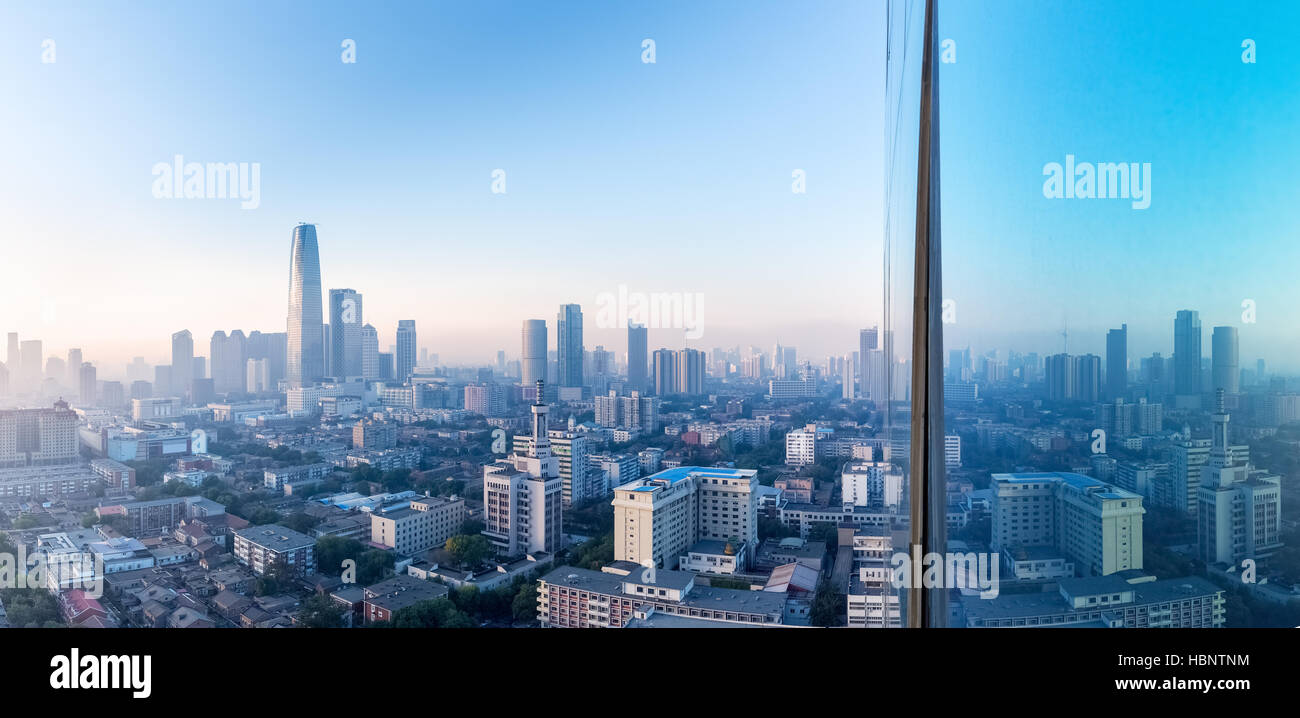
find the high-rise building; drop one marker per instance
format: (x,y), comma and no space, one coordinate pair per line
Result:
(1224,373)
(13,358)
(33,357)
(406,344)
(523,495)
(369,353)
(1094,525)
(273,347)
(1240,513)
(1061,374)
(345,333)
(665,372)
(568,343)
(306,351)
(868,341)
(73,368)
(848,366)
(1087,377)
(229,358)
(488,399)
(38,437)
(88,385)
(658,518)
(690,372)
(182,363)
(1187,358)
(637,357)
(533,367)
(1117,362)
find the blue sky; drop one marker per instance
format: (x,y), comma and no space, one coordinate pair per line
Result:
(666,177)
(673,176)
(1124,82)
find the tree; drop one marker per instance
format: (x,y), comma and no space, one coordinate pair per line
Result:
(320,612)
(301,522)
(469,550)
(524,606)
(827,606)
(434,613)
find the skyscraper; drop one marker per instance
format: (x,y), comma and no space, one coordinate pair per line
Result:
(73,368)
(229,357)
(182,378)
(306,359)
(690,371)
(12,360)
(406,343)
(33,357)
(1224,373)
(345,333)
(1117,362)
(533,367)
(568,343)
(369,353)
(86,375)
(1061,375)
(1087,378)
(637,340)
(665,372)
(1187,358)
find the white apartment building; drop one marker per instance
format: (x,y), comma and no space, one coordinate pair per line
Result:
(658,518)
(421,525)
(801,446)
(1095,525)
(871,483)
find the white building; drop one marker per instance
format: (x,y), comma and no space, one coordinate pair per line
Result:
(657,518)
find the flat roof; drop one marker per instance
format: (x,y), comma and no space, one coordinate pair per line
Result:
(672,476)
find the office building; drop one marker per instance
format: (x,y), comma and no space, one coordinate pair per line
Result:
(305,340)
(568,342)
(624,595)
(1225,373)
(638,358)
(1117,362)
(1240,512)
(1187,359)
(522,495)
(405,352)
(1095,525)
(657,518)
(533,365)
(424,524)
(262,547)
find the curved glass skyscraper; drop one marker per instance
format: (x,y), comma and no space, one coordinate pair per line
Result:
(306,339)
(533,367)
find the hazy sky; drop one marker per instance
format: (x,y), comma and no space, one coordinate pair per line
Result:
(672,176)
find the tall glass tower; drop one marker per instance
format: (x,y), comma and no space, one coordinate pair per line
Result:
(406,344)
(533,366)
(345,332)
(1187,354)
(568,336)
(306,340)
(637,357)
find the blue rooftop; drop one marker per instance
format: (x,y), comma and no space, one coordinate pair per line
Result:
(672,476)
(1078,481)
